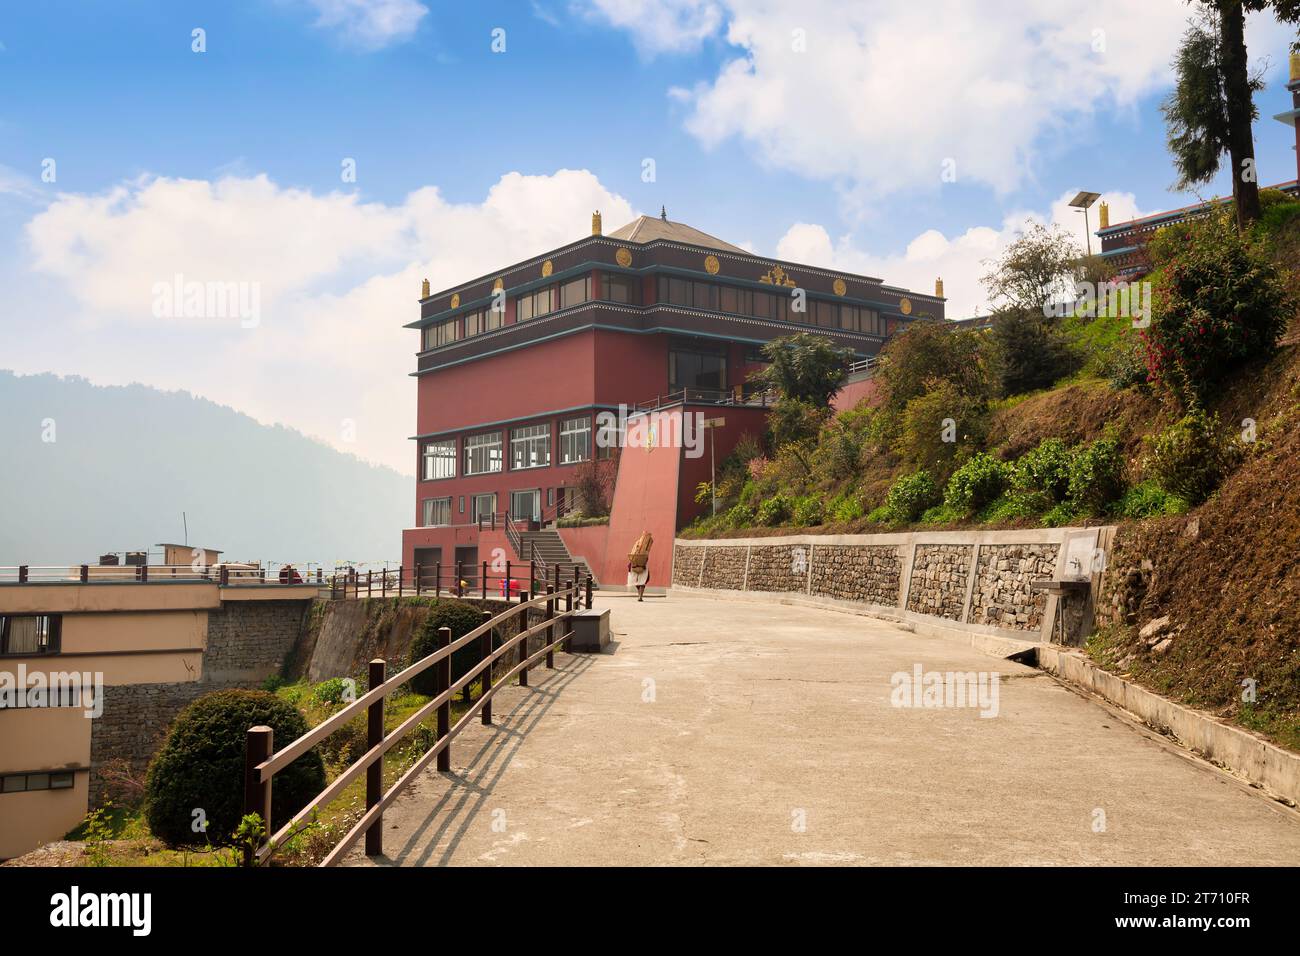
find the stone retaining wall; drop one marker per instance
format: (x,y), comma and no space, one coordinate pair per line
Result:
(938,585)
(977,581)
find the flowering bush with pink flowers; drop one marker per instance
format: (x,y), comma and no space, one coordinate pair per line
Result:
(1220,300)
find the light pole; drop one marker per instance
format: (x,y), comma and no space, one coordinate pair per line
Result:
(1081,202)
(711,424)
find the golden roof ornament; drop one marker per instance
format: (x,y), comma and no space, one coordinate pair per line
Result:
(777,276)
(938,288)
(424,289)
(595,223)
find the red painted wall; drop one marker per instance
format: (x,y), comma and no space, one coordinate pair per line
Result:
(560,373)
(645,499)
(854,392)
(695,470)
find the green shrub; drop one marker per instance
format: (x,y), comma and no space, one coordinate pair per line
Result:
(1220,300)
(1045,469)
(910,496)
(741,515)
(462,618)
(808,512)
(847,507)
(1149,500)
(201,767)
(329,691)
(881,515)
(943,514)
(940,428)
(774,511)
(1014,504)
(976,483)
(1191,457)
(1059,515)
(1096,476)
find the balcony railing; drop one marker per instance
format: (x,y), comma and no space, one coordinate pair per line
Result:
(227,575)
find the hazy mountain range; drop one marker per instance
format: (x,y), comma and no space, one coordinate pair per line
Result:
(90,469)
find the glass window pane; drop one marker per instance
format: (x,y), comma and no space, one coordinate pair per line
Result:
(60,781)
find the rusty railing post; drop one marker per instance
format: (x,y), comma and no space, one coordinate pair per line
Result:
(258,745)
(483,583)
(85,573)
(587,603)
(224,576)
(532,573)
(22,574)
(506,593)
(523,643)
(375,772)
(550,631)
(555,577)
(383,582)
(460,579)
(437,579)
(370,580)
(417,580)
(442,681)
(485,651)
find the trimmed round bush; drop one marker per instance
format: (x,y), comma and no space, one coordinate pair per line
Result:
(462,618)
(911,496)
(1191,457)
(201,767)
(976,483)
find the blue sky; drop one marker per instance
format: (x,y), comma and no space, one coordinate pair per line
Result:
(225,165)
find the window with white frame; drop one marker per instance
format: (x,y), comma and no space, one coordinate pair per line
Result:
(530,446)
(483,453)
(437,513)
(575,440)
(439,459)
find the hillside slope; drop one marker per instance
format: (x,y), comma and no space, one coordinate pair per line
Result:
(126,461)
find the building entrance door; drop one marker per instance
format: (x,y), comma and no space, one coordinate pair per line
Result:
(526,505)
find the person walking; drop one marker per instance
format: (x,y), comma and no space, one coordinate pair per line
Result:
(638,564)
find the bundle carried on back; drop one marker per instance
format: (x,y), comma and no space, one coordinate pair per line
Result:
(640,554)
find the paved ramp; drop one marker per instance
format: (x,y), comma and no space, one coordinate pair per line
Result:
(728,732)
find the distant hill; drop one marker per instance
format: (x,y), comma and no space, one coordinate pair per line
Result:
(126,461)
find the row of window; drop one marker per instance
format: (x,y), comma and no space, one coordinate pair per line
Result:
(530,447)
(706,296)
(778,306)
(532,305)
(25,782)
(525,505)
(29,634)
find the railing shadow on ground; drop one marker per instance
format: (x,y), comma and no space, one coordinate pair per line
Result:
(461,805)
(262,761)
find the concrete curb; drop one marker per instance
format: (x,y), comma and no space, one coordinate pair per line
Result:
(1264,765)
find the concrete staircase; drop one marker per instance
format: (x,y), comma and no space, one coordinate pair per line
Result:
(552,550)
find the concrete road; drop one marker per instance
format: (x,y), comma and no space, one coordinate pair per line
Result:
(731,732)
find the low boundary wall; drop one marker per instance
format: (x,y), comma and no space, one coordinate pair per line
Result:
(972,581)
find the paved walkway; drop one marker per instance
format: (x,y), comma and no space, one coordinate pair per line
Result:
(730,732)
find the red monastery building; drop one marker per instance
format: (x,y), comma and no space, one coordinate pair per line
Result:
(608,354)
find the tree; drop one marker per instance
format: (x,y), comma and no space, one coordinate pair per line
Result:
(805,368)
(926,352)
(1028,352)
(1036,271)
(1211,109)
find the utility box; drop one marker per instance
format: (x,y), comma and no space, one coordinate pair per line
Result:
(590,630)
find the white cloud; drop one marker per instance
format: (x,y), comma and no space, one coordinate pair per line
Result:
(885,93)
(659,26)
(338,279)
(370,24)
(960,260)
